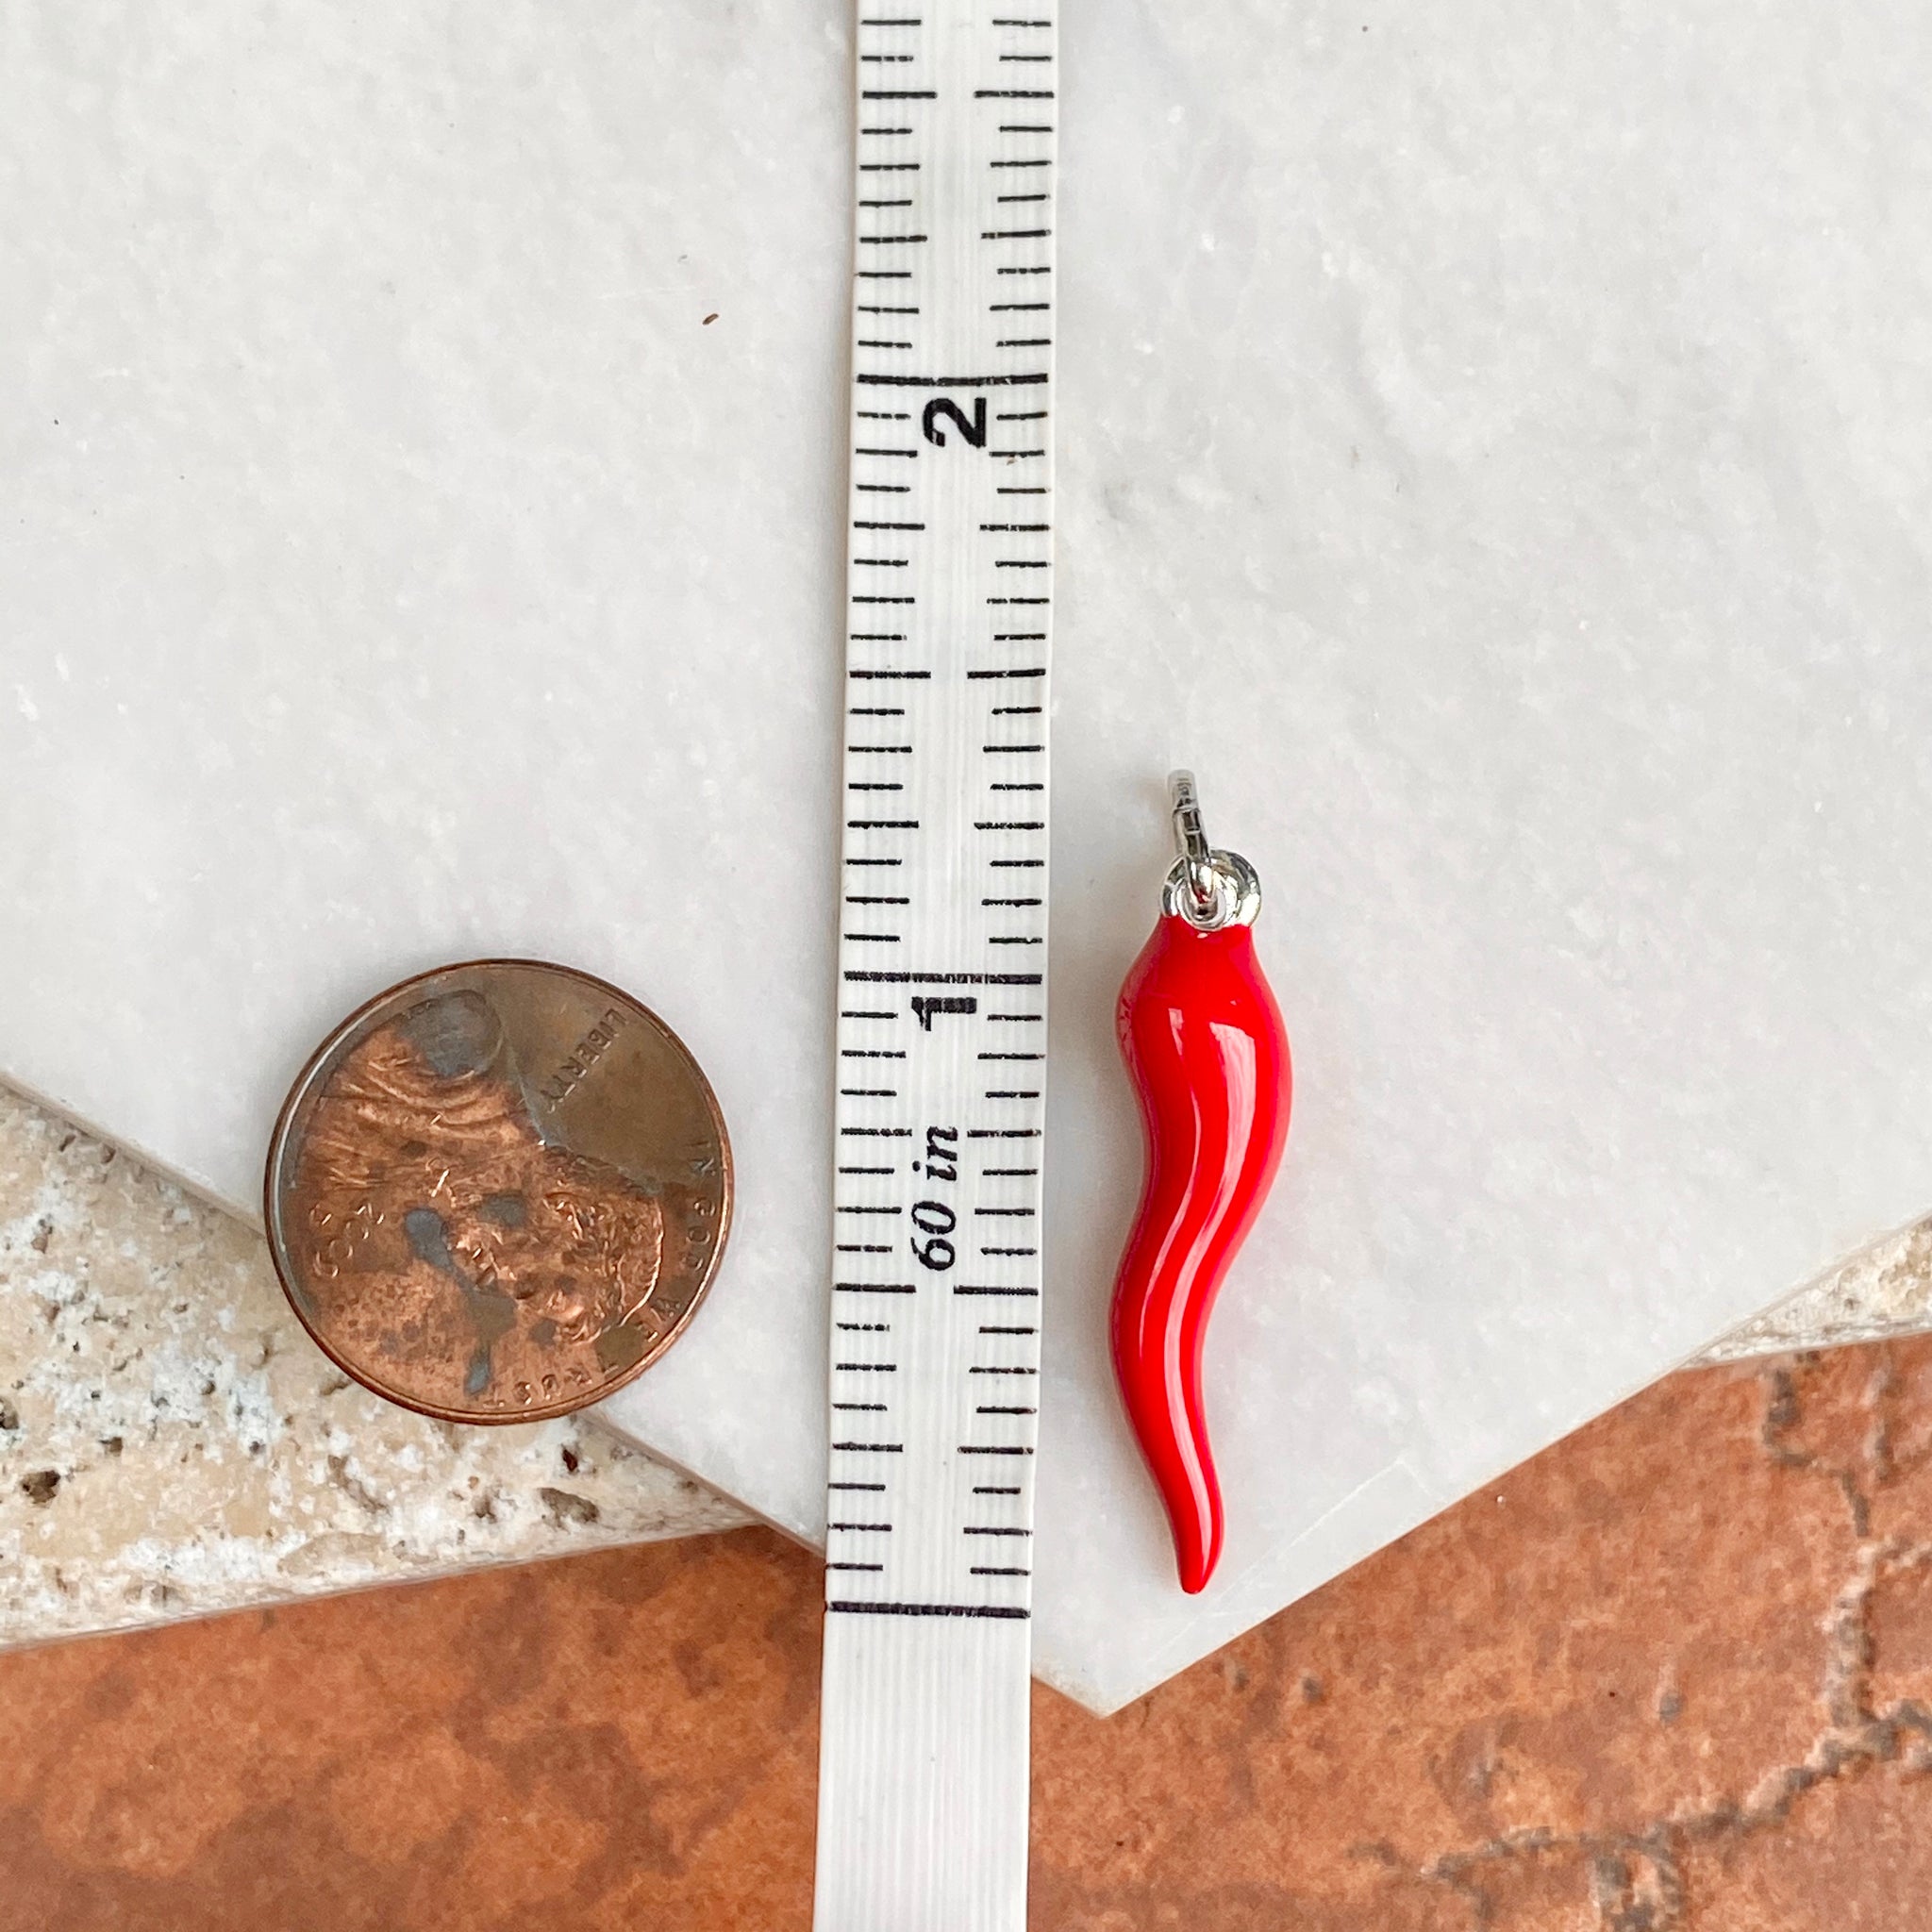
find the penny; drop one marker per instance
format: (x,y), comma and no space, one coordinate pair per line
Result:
(498,1191)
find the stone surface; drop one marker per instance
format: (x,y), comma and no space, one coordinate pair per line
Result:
(1493,454)
(184,1517)
(1883,1290)
(172,1443)
(1674,1676)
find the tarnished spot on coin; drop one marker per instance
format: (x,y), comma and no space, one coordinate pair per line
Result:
(498,1191)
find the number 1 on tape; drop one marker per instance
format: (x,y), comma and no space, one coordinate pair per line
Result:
(935,1319)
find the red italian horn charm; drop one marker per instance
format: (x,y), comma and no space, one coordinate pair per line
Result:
(1208,1054)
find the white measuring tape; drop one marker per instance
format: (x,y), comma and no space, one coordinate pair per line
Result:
(936,1301)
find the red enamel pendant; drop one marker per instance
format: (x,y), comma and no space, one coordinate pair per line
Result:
(1207,1055)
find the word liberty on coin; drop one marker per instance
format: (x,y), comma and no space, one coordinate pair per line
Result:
(498,1191)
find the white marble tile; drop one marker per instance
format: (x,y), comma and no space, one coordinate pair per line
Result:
(1494,455)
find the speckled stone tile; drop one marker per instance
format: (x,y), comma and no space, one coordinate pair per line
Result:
(1674,1676)
(1883,1290)
(172,1443)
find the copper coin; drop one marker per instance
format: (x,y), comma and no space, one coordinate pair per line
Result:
(498,1191)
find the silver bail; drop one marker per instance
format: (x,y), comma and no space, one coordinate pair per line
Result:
(1192,840)
(1210,889)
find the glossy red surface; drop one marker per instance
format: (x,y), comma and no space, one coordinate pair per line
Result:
(1207,1055)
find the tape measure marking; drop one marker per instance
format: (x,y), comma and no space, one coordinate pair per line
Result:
(942,1030)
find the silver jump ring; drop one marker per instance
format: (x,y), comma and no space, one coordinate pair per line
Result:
(1236,900)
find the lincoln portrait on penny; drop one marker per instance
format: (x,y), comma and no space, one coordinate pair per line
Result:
(508,1266)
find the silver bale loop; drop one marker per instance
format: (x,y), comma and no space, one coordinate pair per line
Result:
(1207,887)
(1191,836)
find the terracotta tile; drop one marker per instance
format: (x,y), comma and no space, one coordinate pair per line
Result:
(1675,1675)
